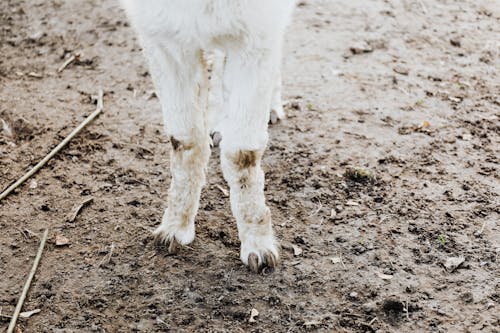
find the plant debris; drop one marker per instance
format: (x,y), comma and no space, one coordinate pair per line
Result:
(61,240)
(452,263)
(253,314)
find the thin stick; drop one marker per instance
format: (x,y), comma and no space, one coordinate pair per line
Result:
(27,285)
(56,149)
(107,257)
(424,8)
(342,262)
(317,210)
(67,62)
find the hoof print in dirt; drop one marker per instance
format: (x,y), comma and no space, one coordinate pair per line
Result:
(393,310)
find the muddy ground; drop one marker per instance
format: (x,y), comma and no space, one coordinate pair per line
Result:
(386,168)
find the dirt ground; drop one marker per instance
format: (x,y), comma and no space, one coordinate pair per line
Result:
(384,174)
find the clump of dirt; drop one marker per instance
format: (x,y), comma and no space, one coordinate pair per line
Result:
(393,310)
(17,129)
(359,175)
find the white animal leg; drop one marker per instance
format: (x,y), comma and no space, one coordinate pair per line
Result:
(181,83)
(277,111)
(248,83)
(217,61)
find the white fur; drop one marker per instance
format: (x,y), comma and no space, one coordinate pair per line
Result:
(246,38)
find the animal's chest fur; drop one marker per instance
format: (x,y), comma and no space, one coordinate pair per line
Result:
(206,22)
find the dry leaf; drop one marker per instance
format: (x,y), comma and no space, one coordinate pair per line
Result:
(312,323)
(384,276)
(253,313)
(297,251)
(425,124)
(61,240)
(6,128)
(360,48)
(453,263)
(36,75)
(401,70)
(466,137)
(28,314)
(336,260)
(37,35)
(78,208)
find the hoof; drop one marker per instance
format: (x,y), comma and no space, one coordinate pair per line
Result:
(173,245)
(253,262)
(277,113)
(216,139)
(267,265)
(273,117)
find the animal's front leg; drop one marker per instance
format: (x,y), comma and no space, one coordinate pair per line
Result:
(248,80)
(188,161)
(181,83)
(244,174)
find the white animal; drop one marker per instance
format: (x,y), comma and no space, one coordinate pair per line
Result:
(175,35)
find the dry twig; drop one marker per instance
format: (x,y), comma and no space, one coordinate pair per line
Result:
(68,62)
(422,5)
(108,256)
(56,149)
(320,206)
(77,210)
(27,285)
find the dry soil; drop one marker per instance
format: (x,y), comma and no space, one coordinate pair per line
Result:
(385,170)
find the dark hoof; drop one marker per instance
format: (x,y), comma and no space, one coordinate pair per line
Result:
(270,261)
(158,240)
(267,266)
(253,262)
(216,139)
(173,247)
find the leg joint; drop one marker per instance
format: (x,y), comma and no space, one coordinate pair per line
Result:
(178,145)
(245,159)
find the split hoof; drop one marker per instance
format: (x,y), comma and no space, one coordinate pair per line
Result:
(216,139)
(173,245)
(267,265)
